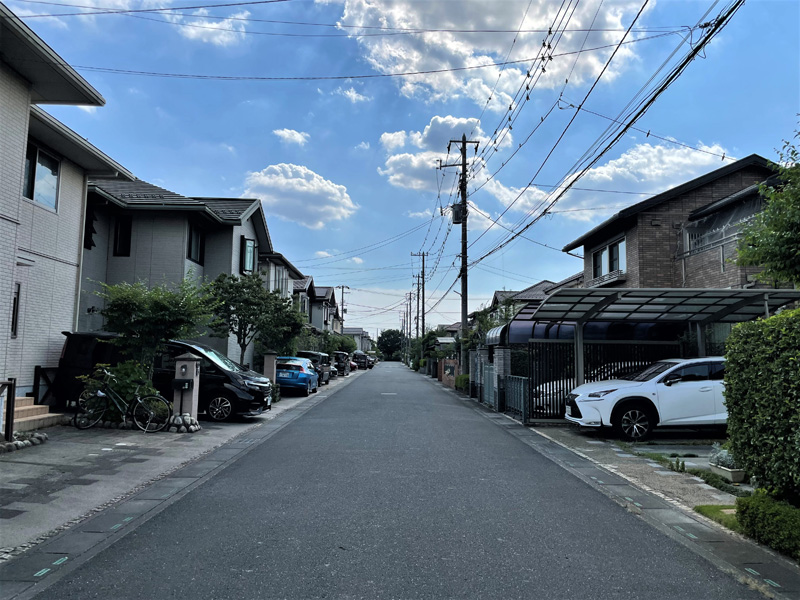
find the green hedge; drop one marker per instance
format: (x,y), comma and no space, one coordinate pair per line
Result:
(762,393)
(462,383)
(771,522)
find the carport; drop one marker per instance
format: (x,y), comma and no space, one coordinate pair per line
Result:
(558,357)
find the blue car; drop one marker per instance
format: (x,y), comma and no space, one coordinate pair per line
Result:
(296,373)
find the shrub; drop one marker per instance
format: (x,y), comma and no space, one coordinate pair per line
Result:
(771,522)
(762,393)
(722,457)
(462,383)
(125,381)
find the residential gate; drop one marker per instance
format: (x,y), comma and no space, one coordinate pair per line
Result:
(517,397)
(552,368)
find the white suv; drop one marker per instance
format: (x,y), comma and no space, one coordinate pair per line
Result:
(671,392)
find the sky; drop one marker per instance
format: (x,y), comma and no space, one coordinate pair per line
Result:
(336,114)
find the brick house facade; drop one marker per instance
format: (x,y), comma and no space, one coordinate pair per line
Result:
(645,245)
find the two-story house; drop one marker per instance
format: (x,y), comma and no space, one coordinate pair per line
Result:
(360,337)
(325,311)
(136,231)
(655,244)
(44,170)
(304,293)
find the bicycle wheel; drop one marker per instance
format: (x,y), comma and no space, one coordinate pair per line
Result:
(90,411)
(151,413)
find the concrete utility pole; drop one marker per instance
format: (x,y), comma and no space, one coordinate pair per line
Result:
(422,278)
(343,288)
(461,217)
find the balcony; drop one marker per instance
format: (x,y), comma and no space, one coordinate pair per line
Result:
(607,279)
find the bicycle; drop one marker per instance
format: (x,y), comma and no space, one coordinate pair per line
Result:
(150,414)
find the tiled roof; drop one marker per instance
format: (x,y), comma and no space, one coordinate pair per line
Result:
(576,278)
(535,292)
(141,192)
(500,295)
(228,209)
(300,285)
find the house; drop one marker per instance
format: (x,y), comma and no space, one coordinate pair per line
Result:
(361,338)
(280,274)
(136,231)
(304,293)
(654,244)
(324,310)
(44,170)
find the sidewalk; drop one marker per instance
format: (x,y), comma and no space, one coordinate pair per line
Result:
(48,488)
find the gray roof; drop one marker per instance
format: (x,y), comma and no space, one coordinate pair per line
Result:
(301,285)
(52,80)
(500,295)
(577,277)
(535,292)
(752,160)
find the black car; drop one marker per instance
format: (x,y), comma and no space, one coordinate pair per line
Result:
(342,361)
(361,359)
(226,388)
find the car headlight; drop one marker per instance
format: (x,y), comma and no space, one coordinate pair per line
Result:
(595,396)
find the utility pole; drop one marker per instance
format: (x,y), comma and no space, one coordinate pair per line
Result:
(460,216)
(343,288)
(422,279)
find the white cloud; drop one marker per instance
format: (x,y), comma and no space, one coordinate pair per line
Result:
(423,214)
(220,33)
(645,168)
(322,254)
(363,146)
(228,148)
(290,136)
(437,51)
(296,193)
(89,109)
(417,170)
(357,260)
(352,95)
(390,141)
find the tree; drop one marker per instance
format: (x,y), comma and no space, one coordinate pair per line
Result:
(282,324)
(147,318)
(772,238)
(390,342)
(240,307)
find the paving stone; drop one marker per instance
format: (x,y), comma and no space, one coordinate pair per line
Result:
(74,542)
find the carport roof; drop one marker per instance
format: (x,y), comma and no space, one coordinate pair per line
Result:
(660,304)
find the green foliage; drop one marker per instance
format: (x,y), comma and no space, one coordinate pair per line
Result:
(390,343)
(771,522)
(762,393)
(718,482)
(715,512)
(462,383)
(772,237)
(147,318)
(125,380)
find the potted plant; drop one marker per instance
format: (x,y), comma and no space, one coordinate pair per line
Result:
(723,463)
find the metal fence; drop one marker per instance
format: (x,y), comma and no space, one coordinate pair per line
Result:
(517,399)
(487,387)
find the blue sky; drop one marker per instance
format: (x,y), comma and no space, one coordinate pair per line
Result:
(300,104)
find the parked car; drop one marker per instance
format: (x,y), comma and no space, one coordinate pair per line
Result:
(342,360)
(294,372)
(370,362)
(322,363)
(361,359)
(353,366)
(553,393)
(226,388)
(334,372)
(671,392)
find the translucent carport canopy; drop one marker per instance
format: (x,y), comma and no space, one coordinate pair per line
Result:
(701,306)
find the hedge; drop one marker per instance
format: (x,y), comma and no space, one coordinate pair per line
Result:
(762,394)
(771,522)
(462,383)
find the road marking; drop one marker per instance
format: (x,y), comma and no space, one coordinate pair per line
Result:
(42,572)
(126,519)
(772,583)
(388,393)
(753,571)
(117,526)
(61,560)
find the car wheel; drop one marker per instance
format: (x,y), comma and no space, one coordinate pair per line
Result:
(316,387)
(307,391)
(635,422)
(220,408)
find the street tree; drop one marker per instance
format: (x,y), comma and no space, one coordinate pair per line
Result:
(241,308)
(772,238)
(390,342)
(282,324)
(146,318)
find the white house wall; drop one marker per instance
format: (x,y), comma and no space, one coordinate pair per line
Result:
(14,116)
(94,271)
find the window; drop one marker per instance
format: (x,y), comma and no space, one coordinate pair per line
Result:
(122,235)
(197,244)
(247,255)
(41,177)
(717,371)
(609,259)
(15,310)
(693,373)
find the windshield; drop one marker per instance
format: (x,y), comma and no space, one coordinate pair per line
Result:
(648,372)
(220,360)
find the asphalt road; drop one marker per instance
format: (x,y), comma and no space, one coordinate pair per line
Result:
(395,488)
